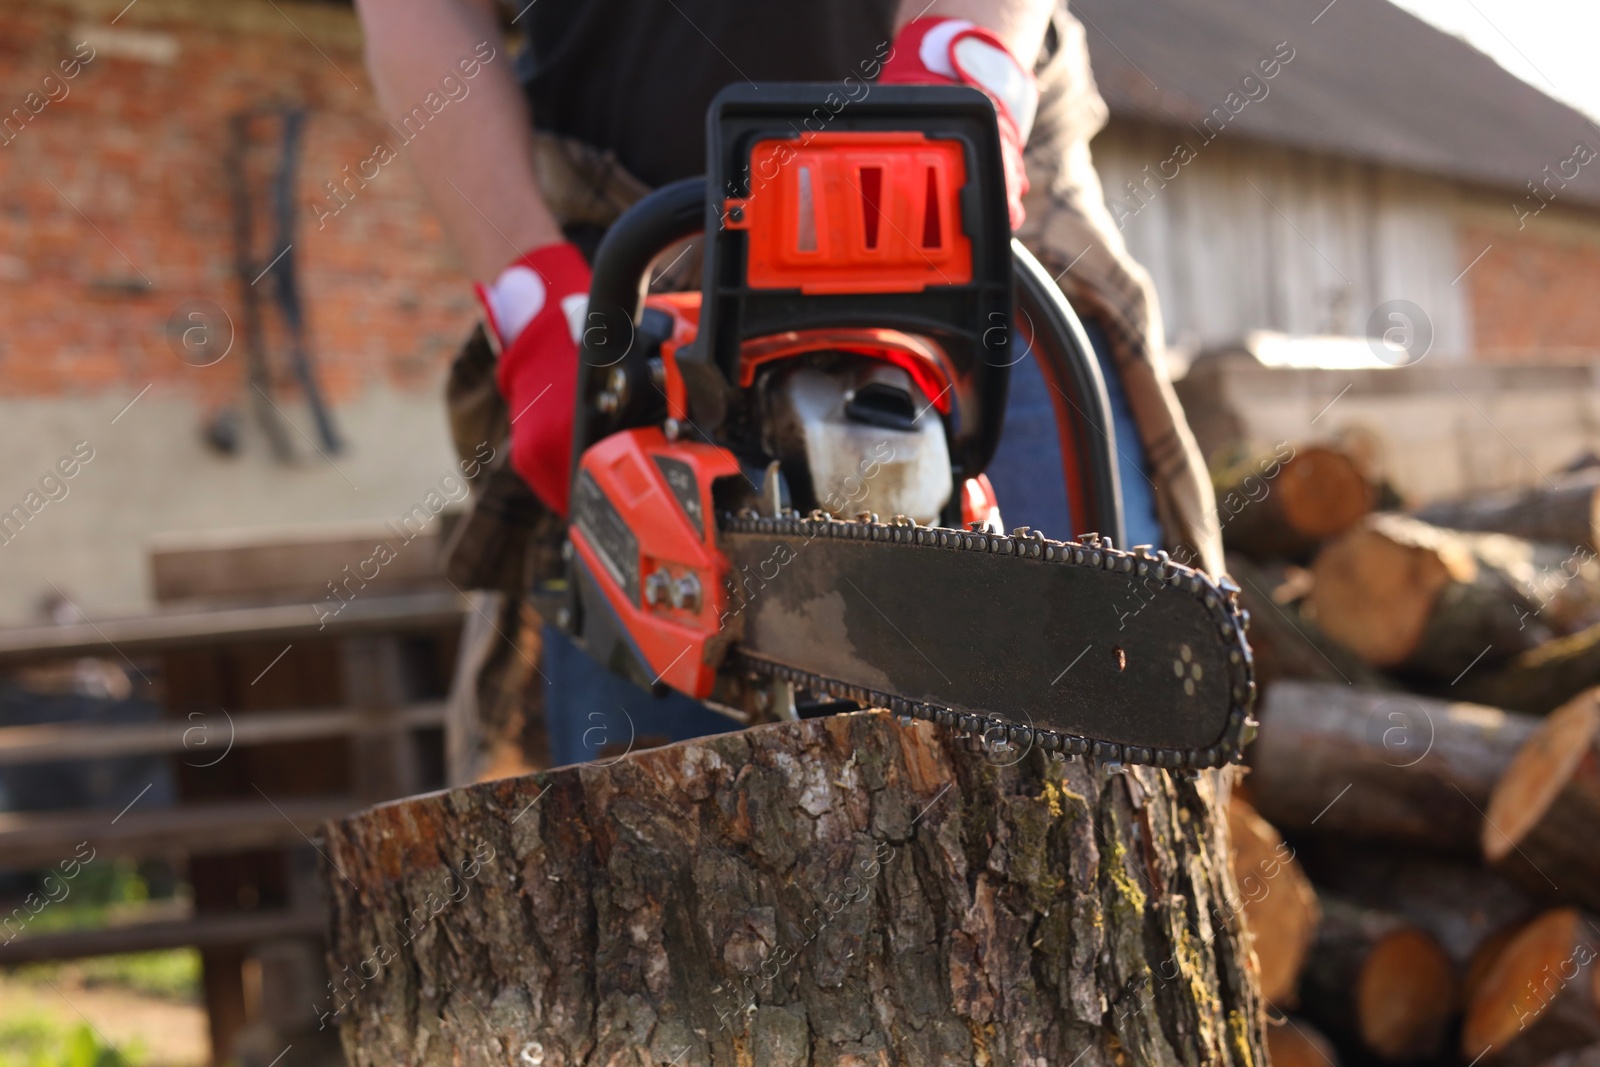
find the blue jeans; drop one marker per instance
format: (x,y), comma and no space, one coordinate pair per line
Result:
(1026,470)
(593,714)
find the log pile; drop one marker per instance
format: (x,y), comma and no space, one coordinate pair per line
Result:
(1426,781)
(1284,505)
(1565,514)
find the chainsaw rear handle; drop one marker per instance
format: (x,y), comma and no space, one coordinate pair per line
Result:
(1055,335)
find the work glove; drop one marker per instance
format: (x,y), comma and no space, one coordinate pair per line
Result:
(941,51)
(535,313)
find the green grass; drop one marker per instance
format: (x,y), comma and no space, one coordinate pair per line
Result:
(172,974)
(32,1041)
(104,892)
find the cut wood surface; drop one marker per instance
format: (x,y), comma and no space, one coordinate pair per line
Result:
(1460,903)
(847,889)
(1481,965)
(1379,980)
(1423,600)
(1380,765)
(1286,644)
(1279,903)
(1540,998)
(1543,820)
(1296,1043)
(1564,514)
(1272,509)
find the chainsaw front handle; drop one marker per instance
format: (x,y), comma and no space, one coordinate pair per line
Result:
(1049,330)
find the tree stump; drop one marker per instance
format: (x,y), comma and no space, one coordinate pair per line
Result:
(844,890)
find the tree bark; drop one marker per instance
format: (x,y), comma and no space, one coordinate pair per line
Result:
(1566,514)
(1315,494)
(1540,997)
(1279,903)
(847,890)
(1421,600)
(1542,679)
(1542,825)
(1379,766)
(1583,1057)
(1379,980)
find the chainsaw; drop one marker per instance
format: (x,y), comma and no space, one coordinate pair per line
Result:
(778,503)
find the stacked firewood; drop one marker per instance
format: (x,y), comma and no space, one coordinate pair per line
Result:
(1417,842)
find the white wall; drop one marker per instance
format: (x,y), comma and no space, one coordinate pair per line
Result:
(1312,248)
(152,474)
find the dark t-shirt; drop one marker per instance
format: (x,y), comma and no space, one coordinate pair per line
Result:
(636,76)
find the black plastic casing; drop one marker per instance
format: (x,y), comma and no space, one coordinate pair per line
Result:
(970,321)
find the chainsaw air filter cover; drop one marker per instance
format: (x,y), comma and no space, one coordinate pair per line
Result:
(884,212)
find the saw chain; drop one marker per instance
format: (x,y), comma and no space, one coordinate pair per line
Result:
(1172,685)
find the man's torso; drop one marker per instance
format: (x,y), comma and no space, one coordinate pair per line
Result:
(635,76)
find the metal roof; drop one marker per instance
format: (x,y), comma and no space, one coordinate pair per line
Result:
(1367,80)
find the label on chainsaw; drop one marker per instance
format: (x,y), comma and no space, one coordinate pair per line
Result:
(680,478)
(1016,631)
(613,542)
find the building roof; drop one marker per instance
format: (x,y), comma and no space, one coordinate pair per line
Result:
(1367,80)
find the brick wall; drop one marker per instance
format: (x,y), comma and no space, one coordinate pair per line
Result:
(1533,295)
(115,210)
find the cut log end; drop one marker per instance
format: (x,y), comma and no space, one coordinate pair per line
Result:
(1299,1044)
(1376,588)
(1381,981)
(1538,773)
(1404,995)
(1540,994)
(1481,964)
(1273,508)
(1279,902)
(1324,493)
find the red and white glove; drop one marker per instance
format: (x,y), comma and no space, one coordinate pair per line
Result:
(535,311)
(940,51)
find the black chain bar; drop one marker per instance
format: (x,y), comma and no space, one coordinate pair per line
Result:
(1220,599)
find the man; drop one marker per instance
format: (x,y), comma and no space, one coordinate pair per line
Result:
(608,101)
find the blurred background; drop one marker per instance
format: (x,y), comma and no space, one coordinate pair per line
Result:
(225,321)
